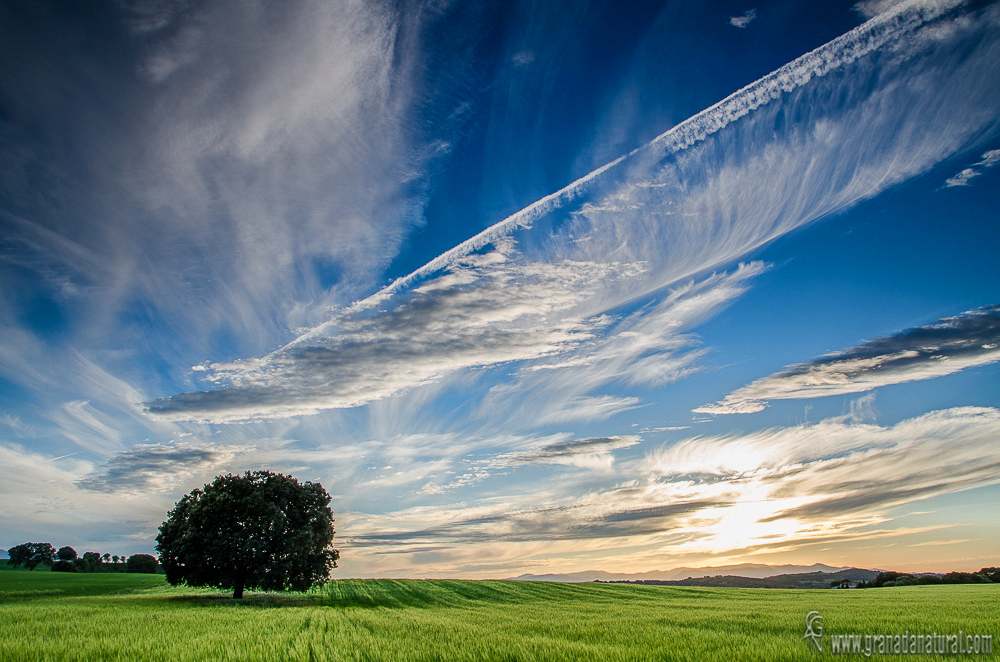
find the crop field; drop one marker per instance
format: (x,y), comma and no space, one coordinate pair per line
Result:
(54,616)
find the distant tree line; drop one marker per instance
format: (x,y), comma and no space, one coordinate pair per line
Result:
(33,554)
(983,576)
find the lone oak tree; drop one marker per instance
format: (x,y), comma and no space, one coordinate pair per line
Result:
(260,530)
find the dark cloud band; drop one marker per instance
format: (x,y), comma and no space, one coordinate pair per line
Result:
(947,346)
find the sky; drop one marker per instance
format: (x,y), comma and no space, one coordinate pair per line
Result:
(528,287)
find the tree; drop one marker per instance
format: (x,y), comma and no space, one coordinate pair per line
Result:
(91,562)
(18,554)
(115,559)
(31,554)
(260,530)
(107,557)
(964,578)
(42,552)
(141,563)
(992,574)
(66,553)
(888,578)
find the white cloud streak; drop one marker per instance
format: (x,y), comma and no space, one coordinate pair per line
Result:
(945,347)
(963,177)
(591,452)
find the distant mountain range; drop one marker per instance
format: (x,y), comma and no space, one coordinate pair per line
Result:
(3,554)
(745,570)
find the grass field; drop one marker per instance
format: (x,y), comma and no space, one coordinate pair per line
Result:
(54,616)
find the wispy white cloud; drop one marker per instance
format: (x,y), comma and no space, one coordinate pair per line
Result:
(945,347)
(88,427)
(146,468)
(19,427)
(241,164)
(487,310)
(871,8)
(542,283)
(588,408)
(574,452)
(594,454)
(652,346)
(744,20)
(80,402)
(963,177)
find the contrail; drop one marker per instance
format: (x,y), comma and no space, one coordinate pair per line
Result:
(902,19)
(53,459)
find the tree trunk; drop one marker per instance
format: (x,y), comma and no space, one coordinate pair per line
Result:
(238,589)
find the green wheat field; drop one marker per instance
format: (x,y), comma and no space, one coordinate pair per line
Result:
(55,616)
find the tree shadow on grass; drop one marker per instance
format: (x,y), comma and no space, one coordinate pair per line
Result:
(267,600)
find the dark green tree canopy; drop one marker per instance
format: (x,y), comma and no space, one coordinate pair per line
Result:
(91,561)
(141,563)
(18,554)
(992,574)
(260,530)
(66,553)
(31,554)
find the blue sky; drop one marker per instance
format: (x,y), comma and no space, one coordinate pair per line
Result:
(528,287)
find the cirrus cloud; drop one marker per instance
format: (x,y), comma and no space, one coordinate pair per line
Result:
(945,347)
